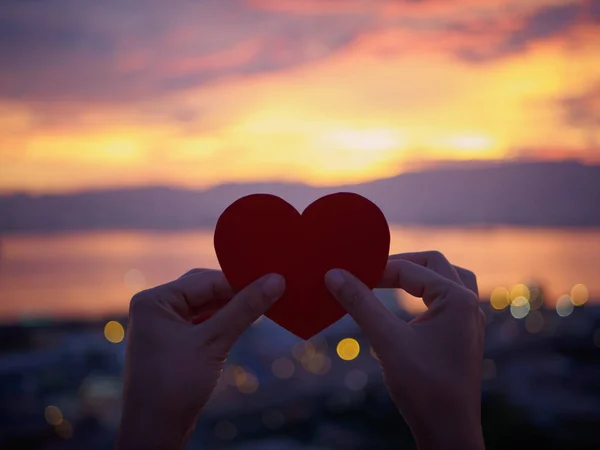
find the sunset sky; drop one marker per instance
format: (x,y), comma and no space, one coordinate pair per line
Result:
(102,94)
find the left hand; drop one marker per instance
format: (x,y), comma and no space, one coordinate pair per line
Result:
(173,362)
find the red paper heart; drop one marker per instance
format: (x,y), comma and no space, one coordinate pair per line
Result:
(261,234)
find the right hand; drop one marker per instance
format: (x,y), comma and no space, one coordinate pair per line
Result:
(432,365)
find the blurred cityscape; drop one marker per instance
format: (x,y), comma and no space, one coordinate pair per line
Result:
(60,383)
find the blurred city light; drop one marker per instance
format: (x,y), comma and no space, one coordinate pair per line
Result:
(356,379)
(303,349)
(226,430)
(135,280)
(564,306)
(283,368)
(53,415)
(64,430)
(348,349)
(114,332)
(520,290)
(238,377)
(319,364)
(249,384)
(579,294)
(235,375)
(534,323)
(519,307)
(500,298)
(536,300)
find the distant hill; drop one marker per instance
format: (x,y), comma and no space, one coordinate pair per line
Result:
(513,193)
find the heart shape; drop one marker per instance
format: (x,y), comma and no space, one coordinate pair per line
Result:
(261,234)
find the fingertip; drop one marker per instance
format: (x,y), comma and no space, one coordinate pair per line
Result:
(273,286)
(334,279)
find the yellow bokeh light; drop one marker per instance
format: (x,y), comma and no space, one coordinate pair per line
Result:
(114,332)
(53,415)
(318,364)
(64,430)
(348,349)
(520,290)
(500,298)
(579,294)
(250,384)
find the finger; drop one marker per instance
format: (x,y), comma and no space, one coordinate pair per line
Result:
(194,271)
(361,303)
(419,281)
(207,310)
(228,324)
(468,278)
(433,260)
(197,289)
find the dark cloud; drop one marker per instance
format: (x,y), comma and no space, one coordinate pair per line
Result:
(126,51)
(65,53)
(583,112)
(542,24)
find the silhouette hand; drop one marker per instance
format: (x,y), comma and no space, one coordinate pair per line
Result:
(432,365)
(173,362)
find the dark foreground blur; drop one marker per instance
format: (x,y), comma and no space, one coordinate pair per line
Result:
(60,386)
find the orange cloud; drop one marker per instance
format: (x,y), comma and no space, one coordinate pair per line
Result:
(378,100)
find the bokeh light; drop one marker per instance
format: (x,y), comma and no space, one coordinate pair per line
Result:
(519,307)
(53,415)
(114,332)
(135,280)
(283,368)
(534,323)
(520,290)
(356,379)
(273,419)
(244,381)
(303,349)
(564,306)
(225,430)
(319,364)
(64,430)
(536,300)
(579,294)
(500,298)
(348,349)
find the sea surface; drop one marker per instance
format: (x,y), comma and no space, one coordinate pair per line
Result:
(94,274)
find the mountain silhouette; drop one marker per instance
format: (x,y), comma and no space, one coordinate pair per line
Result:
(511,193)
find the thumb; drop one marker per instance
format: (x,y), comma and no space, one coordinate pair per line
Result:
(228,324)
(366,309)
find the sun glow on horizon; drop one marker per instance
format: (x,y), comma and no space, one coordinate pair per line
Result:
(389,99)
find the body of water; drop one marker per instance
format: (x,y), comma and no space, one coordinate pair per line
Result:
(96,273)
